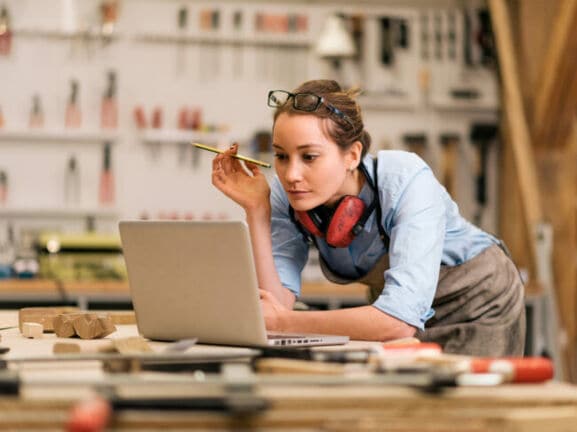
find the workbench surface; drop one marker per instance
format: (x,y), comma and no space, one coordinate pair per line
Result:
(49,390)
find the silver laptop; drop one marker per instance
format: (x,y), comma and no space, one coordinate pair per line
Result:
(193,279)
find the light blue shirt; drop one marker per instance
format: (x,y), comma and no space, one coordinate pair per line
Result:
(424,227)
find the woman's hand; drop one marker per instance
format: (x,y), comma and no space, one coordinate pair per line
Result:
(273,311)
(250,191)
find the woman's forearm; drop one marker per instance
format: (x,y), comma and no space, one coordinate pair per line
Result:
(359,323)
(259,227)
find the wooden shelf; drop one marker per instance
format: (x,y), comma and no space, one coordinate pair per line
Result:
(52,33)
(177,136)
(61,135)
(290,40)
(62,212)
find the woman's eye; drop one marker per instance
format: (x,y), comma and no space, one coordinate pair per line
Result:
(310,157)
(280,156)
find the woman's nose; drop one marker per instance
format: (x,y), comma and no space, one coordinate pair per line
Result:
(293,172)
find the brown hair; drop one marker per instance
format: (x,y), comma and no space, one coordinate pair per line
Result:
(341,131)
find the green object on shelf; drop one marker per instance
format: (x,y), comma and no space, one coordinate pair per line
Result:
(80,257)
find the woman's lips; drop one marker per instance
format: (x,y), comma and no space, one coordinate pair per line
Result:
(297,193)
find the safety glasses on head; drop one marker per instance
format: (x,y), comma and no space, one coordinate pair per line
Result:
(307,102)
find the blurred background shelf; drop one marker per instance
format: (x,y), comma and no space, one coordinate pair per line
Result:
(58,135)
(62,212)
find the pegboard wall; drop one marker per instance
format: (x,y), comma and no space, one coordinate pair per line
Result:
(200,70)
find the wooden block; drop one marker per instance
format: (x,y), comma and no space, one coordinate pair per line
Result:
(131,345)
(63,325)
(32,330)
(92,326)
(42,315)
(88,347)
(66,348)
(107,327)
(86,325)
(122,317)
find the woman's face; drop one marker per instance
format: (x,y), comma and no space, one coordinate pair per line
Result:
(311,167)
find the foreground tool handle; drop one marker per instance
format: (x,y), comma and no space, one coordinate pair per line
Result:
(91,415)
(516,369)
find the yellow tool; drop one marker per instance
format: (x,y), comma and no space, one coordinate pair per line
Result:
(243,158)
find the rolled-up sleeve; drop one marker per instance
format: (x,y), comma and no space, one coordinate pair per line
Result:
(290,249)
(417,232)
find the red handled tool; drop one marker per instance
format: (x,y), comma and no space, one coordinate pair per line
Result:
(91,415)
(516,369)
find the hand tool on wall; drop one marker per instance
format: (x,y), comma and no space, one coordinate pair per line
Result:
(5,32)
(182,24)
(464,93)
(108,17)
(36,115)
(204,25)
(481,135)
(109,108)
(485,38)
(106,187)
(215,49)
(72,182)
(73,117)
(450,151)
(238,50)
(184,124)
(387,48)
(3,187)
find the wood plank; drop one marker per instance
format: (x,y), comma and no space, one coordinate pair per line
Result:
(533,45)
(556,95)
(518,132)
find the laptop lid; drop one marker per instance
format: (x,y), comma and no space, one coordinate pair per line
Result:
(197,279)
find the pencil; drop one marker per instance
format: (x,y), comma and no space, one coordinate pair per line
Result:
(236,156)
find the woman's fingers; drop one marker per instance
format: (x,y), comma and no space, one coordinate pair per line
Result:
(230,164)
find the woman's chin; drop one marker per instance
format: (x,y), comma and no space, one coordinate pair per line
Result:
(301,205)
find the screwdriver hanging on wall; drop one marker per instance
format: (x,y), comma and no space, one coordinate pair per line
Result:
(467,39)
(387,53)
(182,24)
(450,146)
(238,51)
(485,39)
(481,135)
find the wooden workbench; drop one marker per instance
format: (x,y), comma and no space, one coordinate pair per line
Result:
(84,293)
(296,403)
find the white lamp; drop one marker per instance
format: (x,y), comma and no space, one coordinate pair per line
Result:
(335,41)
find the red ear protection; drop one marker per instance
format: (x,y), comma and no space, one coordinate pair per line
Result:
(339,226)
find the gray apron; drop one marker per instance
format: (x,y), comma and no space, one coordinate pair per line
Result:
(479,306)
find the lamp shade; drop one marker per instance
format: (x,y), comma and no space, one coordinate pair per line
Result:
(335,40)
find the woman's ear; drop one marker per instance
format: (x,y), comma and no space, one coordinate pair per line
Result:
(355,154)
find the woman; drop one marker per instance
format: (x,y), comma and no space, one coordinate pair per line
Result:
(384,221)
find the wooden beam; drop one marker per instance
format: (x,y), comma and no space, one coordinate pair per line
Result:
(533,45)
(556,96)
(518,131)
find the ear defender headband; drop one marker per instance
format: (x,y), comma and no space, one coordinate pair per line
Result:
(339,225)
